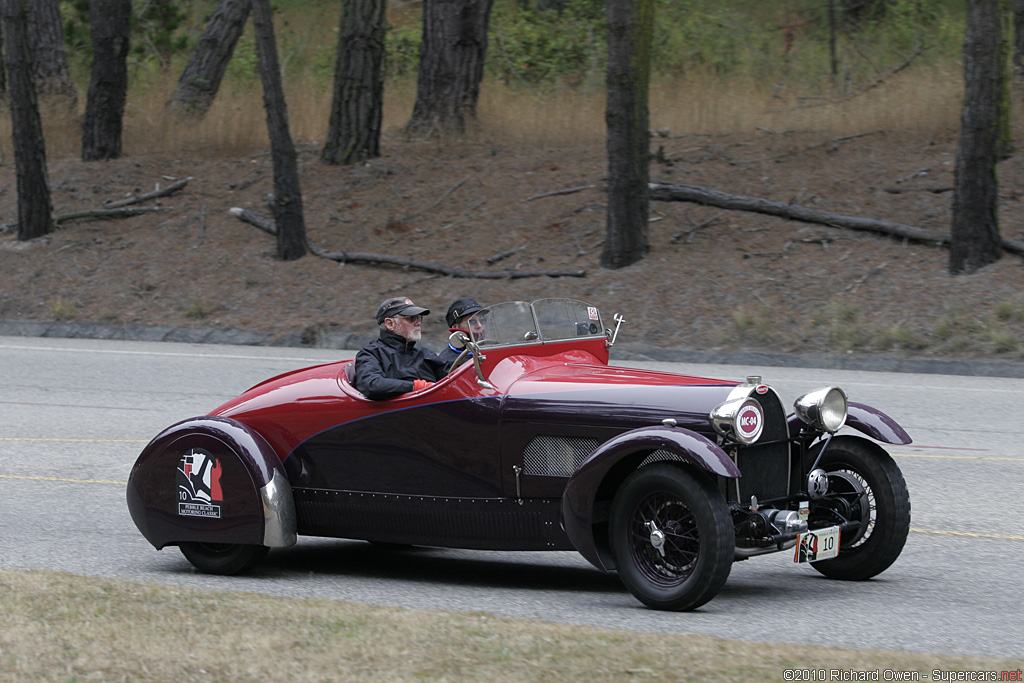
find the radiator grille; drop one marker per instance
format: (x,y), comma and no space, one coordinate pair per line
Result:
(556,456)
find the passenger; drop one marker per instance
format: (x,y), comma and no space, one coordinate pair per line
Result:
(458,318)
(392,365)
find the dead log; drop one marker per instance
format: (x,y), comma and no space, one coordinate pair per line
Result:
(267,225)
(555,193)
(138,199)
(708,197)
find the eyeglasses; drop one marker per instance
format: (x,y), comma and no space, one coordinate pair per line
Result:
(411,318)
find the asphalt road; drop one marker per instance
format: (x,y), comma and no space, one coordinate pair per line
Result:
(77,412)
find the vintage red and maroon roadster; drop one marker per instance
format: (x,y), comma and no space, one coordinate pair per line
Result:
(535,443)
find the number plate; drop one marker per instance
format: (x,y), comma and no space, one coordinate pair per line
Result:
(820,544)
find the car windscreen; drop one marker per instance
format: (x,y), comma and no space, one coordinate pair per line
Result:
(567,319)
(504,324)
(515,323)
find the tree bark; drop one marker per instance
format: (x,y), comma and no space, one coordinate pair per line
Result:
(353,134)
(451,65)
(975,231)
(287,199)
(630,31)
(49,59)
(3,71)
(110,25)
(201,78)
(1018,38)
(35,208)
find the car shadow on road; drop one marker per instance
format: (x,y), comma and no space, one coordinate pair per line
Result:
(562,571)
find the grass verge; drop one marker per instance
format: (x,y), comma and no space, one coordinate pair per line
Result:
(60,627)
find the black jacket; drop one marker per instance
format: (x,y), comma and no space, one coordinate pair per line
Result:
(449,355)
(389,364)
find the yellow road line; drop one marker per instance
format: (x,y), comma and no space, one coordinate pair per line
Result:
(74,481)
(954,457)
(19,438)
(967,533)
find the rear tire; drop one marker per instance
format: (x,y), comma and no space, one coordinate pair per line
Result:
(874,490)
(672,537)
(223,558)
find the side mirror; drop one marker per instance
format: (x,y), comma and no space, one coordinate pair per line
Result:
(458,339)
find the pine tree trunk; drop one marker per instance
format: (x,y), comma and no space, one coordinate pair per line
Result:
(201,78)
(451,65)
(3,71)
(287,200)
(1018,38)
(49,59)
(630,31)
(975,240)
(35,209)
(353,133)
(110,24)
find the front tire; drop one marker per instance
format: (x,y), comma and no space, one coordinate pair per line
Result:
(225,559)
(865,480)
(672,537)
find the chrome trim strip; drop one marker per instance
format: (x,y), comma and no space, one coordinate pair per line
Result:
(279,518)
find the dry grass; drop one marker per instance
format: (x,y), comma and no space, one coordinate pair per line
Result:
(928,100)
(67,628)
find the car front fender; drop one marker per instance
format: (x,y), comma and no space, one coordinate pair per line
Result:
(867,420)
(211,480)
(589,492)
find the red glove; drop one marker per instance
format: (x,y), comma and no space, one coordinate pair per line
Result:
(420,384)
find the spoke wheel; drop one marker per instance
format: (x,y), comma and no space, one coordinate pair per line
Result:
(866,481)
(672,537)
(223,558)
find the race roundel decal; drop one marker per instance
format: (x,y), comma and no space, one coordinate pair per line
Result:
(199,492)
(749,421)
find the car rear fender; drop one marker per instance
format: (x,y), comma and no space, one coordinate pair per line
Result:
(211,480)
(867,420)
(588,495)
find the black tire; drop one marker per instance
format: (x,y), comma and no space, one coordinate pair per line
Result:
(223,558)
(874,492)
(698,537)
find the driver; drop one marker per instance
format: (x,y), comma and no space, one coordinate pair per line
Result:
(391,364)
(458,318)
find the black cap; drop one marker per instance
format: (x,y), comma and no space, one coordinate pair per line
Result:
(400,305)
(460,308)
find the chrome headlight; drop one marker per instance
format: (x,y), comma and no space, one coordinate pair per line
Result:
(740,418)
(823,409)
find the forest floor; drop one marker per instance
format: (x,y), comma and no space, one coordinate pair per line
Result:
(714,280)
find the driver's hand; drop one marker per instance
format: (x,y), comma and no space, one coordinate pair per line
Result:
(420,384)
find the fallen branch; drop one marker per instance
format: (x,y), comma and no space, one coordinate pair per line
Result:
(439,200)
(831,143)
(138,199)
(491,260)
(571,190)
(709,197)
(933,190)
(268,225)
(122,212)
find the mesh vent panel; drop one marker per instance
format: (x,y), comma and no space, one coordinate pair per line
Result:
(556,456)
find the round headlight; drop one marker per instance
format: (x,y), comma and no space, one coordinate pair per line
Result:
(823,409)
(740,418)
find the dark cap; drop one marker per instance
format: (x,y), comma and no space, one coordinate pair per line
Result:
(398,306)
(460,308)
